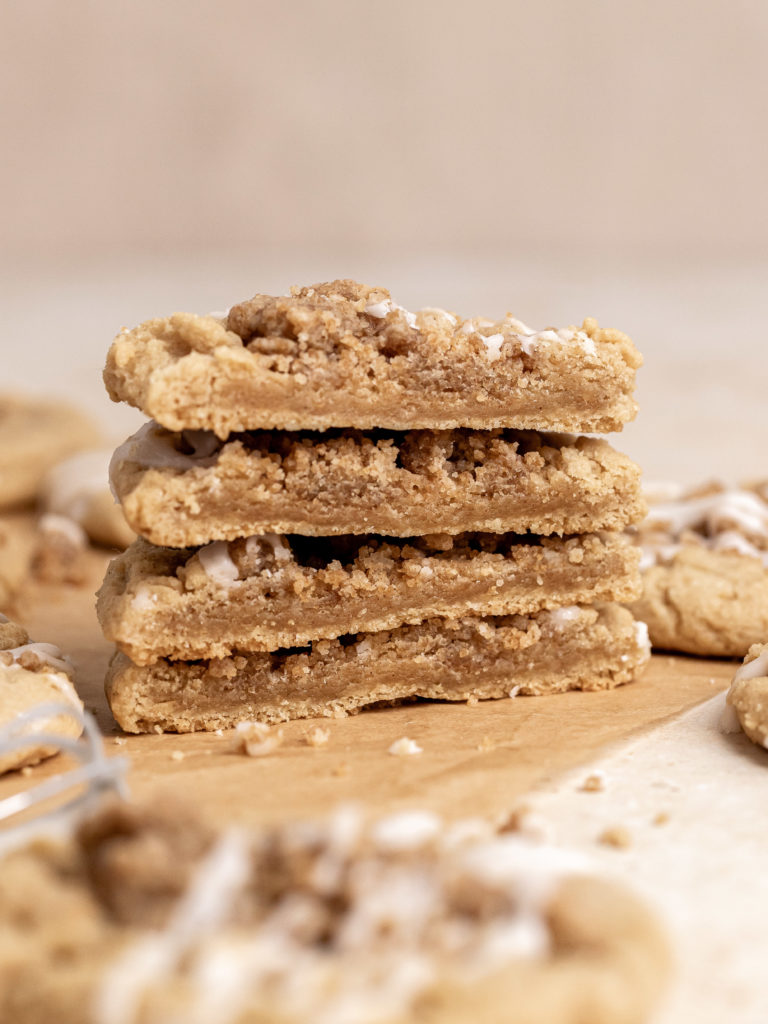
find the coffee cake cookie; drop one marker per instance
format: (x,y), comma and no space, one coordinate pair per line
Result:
(705,571)
(585,648)
(78,489)
(35,434)
(32,675)
(181,490)
(267,592)
(345,355)
(748,695)
(146,915)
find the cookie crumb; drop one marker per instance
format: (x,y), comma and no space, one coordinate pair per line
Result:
(340,770)
(594,783)
(219,732)
(119,741)
(662,818)
(617,836)
(486,744)
(525,821)
(472,701)
(404,747)
(157,729)
(256,739)
(26,770)
(318,737)
(178,755)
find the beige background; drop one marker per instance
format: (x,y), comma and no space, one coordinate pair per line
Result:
(557,158)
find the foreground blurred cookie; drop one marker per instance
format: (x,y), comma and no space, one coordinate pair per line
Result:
(33,674)
(344,354)
(145,916)
(705,571)
(35,434)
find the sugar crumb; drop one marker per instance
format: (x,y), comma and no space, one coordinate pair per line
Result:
(617,836)
(514,692)
(404,747)
(257,739)
(178,755)
(594,783)
(157,729)
(318,737)
(486,744)
(119,741)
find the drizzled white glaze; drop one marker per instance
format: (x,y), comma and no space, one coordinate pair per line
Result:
(386,306)
(52,523)
(153,447)
(755,669)
(728,520)
(47,653)
(217,563)
(561,617)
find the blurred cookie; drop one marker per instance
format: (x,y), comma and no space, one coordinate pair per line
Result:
(77,488)
(33,674)
(705,570)
(748,695)
(35,434)
(399,921)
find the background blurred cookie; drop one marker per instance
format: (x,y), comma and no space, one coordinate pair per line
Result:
(35,434)
(705,568)
(33,674)
(77,488)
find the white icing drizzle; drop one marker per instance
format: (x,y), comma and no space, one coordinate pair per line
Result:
(52,523)
(153,447)
(728,722)
(642,637)
(48,653)
(561,617)
(493,343)
(217,563)
(386,306)
(728,520)
(755,669)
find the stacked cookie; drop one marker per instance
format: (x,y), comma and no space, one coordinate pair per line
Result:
(340,502)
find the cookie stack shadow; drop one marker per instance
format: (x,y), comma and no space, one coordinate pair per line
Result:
(340,503)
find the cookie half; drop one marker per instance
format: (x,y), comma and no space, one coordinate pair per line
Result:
(573,648)
(342,354)
(267,592)
(180,490)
